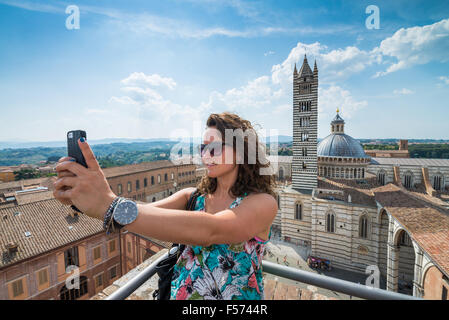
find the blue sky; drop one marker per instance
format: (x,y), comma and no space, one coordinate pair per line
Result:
(149,69)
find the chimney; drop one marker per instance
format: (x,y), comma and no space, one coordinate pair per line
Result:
(12,247)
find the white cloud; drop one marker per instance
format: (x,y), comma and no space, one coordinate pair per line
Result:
(257,94)
(416,45)
(96,111)
(140,79)
(403,91)
(335,97)
(332,65)
(269,53)
(444,79)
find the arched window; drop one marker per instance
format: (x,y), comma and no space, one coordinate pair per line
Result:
(152,180)
(158,178)
(381,177)
(298,211)
(363,227)
(129,186)
(408,180)
(154,199)
(165,177)
(145,182)
(404,239)
(438,182)
(281,173)
(330,222)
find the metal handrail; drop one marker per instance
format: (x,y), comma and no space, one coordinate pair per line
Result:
(132,285)
(343,286)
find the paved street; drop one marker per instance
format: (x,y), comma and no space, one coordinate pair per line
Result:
(296,257)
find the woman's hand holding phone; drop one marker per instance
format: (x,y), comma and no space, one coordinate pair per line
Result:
(86,188)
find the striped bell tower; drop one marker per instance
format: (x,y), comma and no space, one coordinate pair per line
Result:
(305,127)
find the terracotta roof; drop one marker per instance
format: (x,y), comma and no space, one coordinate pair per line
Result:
(18,185)
(134,168)
(48,222)
(426,224)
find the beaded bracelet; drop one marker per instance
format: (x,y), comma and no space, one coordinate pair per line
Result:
(108,221)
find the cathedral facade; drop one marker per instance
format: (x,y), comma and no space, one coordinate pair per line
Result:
(359,211)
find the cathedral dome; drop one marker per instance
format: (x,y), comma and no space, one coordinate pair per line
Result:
(340,145)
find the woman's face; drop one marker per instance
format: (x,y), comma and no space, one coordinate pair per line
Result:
(219,159)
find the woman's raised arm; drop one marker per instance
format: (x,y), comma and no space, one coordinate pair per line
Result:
(178,200)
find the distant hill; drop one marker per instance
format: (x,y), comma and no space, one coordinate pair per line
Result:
(56,144)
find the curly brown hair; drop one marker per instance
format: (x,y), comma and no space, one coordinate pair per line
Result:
(249,180)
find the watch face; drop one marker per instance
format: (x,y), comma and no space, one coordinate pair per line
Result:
(125,212)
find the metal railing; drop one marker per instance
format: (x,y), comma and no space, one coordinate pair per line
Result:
(347,287)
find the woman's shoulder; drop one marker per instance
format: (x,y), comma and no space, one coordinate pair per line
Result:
(263,199)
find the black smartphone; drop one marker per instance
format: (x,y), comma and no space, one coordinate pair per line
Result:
(74,151)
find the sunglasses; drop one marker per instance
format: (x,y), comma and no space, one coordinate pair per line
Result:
(215,148)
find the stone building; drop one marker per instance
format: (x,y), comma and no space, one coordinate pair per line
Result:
(389,213)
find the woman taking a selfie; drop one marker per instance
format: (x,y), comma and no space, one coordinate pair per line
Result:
(226,234)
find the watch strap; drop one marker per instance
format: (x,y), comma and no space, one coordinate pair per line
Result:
(108,222)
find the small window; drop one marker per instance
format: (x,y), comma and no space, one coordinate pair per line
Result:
(97,253)
(43,277)
(98,281)
(113,273)
(330,222)
(119,188)
(165,177)
(152,180)
(137,184)
(17,288)
(158,178)
(112,246)
(172,176)
(363,227)
(145,182)
(298,211)
(129,186)
(71,257)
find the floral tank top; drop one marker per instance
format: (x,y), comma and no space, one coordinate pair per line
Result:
(220,271)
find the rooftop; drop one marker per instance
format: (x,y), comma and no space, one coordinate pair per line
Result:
(48,222)
(139,167)
(426,224)
(419,162)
